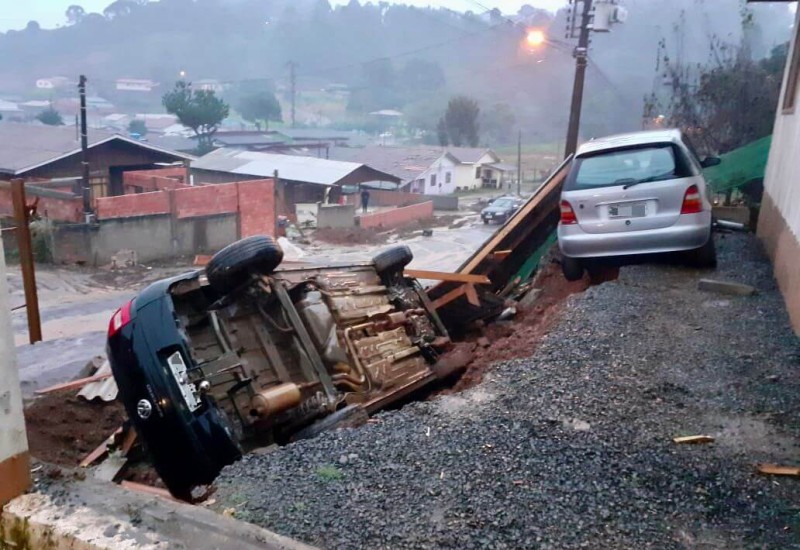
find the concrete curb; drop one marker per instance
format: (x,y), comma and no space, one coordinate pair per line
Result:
(91,515)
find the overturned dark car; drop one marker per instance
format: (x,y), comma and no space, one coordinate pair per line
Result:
(243,354)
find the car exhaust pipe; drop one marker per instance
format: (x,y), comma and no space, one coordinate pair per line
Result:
(275,400)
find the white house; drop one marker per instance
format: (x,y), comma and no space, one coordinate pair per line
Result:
(135,85)
(779,220)
(461,169)
(52,83)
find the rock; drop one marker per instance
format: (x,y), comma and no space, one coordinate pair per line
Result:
(723,287)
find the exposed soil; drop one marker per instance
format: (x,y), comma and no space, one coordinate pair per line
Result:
(519,337)
(349,236)
(63,428)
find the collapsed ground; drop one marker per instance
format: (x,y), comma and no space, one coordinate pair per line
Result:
(572,447)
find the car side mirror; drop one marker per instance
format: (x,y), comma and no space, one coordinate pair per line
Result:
(710,161)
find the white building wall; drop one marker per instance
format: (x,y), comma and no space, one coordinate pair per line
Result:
(440,169)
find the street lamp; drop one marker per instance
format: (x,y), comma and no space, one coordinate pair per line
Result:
(535,38)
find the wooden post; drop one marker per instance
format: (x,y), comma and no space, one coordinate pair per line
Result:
(26,260)
(15,477)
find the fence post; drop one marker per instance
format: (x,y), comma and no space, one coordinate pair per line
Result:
(25,245)
(15,475)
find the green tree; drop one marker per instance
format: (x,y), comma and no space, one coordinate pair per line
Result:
(200,110)
(75,14)
(137,126)
(461,121)
(441,133)
(260,107)
(51,117)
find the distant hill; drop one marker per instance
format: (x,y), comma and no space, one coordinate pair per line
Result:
(392,56)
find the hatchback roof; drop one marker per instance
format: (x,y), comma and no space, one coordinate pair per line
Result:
(626,140)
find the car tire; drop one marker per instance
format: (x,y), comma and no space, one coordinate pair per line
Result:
(705,257)
(231,267)
(352,415)
(392,260)
(572,268)
(485,221)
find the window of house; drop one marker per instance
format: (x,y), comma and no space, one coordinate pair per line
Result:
(477,172)
(790,94)
(447,177)
(433,180)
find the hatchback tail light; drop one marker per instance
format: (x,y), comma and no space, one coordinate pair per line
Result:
(120,318)
(567,214)
(692,201)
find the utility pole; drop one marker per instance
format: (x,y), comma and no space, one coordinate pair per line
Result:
(85,190)
(293,83)
(519,164)
(581,57)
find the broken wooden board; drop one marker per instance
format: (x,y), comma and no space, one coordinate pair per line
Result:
(442,276)
(141,488)
(101,450)
(502,256)
(777,470)
(74,384)
(693,439)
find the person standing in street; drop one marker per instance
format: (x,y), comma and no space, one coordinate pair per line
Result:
(364,200)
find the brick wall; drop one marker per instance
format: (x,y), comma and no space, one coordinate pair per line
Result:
(205,200)
(257,210)
(397,217)
(54,205)
(126,206)
(154,180)
(381,197)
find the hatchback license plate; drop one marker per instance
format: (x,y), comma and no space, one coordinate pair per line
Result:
(632,210)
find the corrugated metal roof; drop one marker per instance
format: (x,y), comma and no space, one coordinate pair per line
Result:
(24,147)
(290,167)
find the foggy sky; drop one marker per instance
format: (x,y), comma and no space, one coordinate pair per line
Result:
(50,13)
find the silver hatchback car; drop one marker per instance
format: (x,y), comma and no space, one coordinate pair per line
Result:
(638,193)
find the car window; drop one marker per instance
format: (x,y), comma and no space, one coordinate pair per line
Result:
(503,203)
(632,165)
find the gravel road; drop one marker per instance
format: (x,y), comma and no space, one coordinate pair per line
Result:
(571,448)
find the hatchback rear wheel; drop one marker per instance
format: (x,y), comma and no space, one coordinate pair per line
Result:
(705,256)
(572,268)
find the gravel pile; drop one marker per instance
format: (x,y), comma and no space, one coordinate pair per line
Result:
(572,447)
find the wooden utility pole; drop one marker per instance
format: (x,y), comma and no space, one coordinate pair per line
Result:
(581,58)
(85,190)
(519,164)
(23,231)
(293,84)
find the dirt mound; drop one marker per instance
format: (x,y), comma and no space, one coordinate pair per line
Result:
(520,337)
(63,428)
(349,235)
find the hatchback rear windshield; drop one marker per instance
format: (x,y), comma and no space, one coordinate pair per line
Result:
(629,166)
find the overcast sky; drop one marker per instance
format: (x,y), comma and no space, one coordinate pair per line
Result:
(50,13)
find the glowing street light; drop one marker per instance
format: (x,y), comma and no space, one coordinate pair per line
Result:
(535,38)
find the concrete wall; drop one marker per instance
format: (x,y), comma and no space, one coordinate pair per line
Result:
(442,202)
(14,459)
(334,215)
(396,217)
(155,237)
(779,220)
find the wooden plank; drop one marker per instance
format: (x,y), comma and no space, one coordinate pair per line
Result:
(100,451)
(128,441)
(501,254)
(519,217)
(201,260)
(442,276)
(693,439)
(777,470)
(472,295)
(74,384)
(449,297)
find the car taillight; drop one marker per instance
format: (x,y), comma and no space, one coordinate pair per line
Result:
(120,318)
(692,201)
(567,214)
